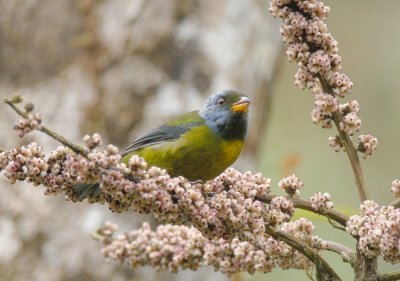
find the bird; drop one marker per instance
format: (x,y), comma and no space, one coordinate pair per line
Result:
(198,145)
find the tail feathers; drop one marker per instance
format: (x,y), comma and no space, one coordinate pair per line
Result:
(83,190)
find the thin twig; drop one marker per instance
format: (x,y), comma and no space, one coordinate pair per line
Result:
(324,270)
(309,275)
(348,146)
(77,149)
(306,205)
(390,276)
(347,253)
(337,226)
(395,203)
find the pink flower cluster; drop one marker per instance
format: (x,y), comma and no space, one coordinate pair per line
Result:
(378,230)
(25,163)
(396,188)
(280,210)
(351,122)
(167,248)
(26,125)
(335,143)
(92,142)
(291,185)
(321,202)
(171,247)
(325,105)
(367,144)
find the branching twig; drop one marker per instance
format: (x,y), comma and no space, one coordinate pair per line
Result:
(77,149)
(347,253)
(395,203)
(306,205)
(324,270)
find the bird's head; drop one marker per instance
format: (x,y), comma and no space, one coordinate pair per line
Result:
(226,114)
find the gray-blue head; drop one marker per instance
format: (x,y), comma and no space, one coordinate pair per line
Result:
(226,114)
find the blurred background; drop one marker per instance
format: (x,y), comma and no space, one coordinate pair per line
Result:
(122,67)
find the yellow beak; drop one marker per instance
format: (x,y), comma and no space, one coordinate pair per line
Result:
(242,105)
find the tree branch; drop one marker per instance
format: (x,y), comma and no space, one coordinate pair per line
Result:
(324,270)
(365,268)
(390,276)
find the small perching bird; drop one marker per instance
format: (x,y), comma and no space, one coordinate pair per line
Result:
(198,145)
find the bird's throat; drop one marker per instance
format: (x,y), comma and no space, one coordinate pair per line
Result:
(234,128)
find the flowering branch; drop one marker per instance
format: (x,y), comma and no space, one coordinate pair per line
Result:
(307,205)
(348,145)
(31,122)
(316,52)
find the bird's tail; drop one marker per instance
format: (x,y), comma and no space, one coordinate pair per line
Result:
(83,190)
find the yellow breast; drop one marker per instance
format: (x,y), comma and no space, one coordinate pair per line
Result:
(231,150)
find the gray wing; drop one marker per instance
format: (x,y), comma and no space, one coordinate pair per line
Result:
(162,134)
(168,132)
(157,136)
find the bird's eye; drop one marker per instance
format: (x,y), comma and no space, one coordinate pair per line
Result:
(221,101)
